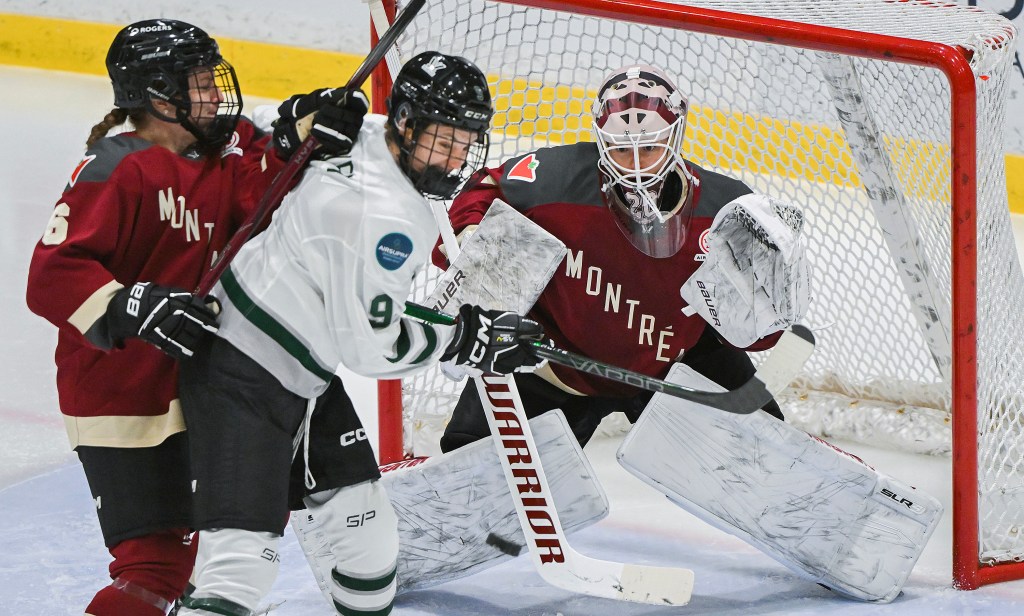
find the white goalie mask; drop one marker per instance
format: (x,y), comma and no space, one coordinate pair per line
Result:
(640,121)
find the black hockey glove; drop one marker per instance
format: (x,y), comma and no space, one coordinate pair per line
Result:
(334,116)
(493,341)
(171,319)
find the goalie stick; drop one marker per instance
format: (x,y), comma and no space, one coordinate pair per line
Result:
(787,357)
(282,181)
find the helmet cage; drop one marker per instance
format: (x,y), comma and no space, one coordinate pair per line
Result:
(434,181)
(436,88)
(640,124)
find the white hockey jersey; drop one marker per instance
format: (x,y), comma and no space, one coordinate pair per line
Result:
(326,283)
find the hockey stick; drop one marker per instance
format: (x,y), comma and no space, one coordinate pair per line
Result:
(788,356)
(282,181)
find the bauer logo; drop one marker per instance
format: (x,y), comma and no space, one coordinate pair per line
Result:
(393,250)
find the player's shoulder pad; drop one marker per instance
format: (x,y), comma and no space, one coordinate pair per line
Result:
(558,174)
(104,156)
(716,190)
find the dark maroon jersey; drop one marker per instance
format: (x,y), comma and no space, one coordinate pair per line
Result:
(608,301)
(133,211)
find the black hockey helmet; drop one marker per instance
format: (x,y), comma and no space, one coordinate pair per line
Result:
(158,59)
(436,88)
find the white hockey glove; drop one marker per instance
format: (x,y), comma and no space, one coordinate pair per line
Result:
(756,279)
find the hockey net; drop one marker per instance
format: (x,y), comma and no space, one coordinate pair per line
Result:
(883,120)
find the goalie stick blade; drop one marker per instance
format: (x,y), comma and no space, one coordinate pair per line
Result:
(647,584)
(787,358)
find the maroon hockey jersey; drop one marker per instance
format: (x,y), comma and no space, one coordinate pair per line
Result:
(133,211)
(608,301)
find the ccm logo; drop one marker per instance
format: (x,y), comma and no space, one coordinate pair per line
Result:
(350,438)
(903,501)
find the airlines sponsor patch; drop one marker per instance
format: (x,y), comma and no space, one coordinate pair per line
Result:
(232,146)
(393,250)
(525,170)
(702,243)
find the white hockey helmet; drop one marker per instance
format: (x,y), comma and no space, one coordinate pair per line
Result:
(640,121)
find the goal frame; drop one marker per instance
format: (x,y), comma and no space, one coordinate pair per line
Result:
(953,62)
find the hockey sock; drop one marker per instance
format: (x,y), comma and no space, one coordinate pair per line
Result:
(149,573)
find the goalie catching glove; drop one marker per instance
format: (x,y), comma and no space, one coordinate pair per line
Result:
(171,319)
(756,279)
(493,341)
(332,115)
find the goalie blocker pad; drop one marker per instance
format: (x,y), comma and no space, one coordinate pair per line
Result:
(455,513)
(819,511)
(504,265)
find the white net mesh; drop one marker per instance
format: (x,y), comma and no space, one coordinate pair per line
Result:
(874,181)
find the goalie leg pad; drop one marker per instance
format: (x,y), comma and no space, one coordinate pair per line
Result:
(455,513)
(821,512)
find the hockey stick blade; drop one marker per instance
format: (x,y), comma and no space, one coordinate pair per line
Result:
(787,357)
(554,559)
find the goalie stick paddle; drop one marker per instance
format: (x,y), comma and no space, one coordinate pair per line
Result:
(784,362)
(282,181)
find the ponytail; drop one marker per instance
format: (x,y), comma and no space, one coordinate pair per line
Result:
(116,117)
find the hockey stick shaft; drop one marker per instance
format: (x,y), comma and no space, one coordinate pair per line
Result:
(281,183)
(789,355)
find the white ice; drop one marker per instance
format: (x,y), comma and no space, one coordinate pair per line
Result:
(53,556)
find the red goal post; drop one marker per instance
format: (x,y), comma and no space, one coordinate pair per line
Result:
(883,119)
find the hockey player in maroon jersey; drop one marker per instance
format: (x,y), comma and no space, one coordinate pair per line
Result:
(638,221)
(142,218)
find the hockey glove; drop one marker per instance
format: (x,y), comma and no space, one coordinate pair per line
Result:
(171,319)
(334,116)
(493,341)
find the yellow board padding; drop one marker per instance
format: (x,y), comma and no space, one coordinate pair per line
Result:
(265,70)
(1015,182)
(560,114)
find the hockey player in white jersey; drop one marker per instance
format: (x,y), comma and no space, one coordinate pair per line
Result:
(271,427)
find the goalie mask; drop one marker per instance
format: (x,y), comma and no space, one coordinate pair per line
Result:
(176,62)
(639,121)
(439,113)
